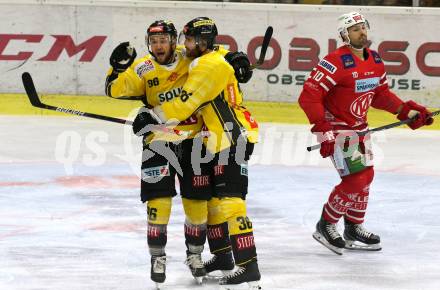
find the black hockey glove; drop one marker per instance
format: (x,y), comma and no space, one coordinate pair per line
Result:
(240,62)
(249,151)
(122,57)
(141,122)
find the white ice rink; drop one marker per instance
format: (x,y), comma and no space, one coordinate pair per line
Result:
(71,219)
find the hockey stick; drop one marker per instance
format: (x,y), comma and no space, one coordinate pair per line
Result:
(385,127)
(32,94)
(264,46)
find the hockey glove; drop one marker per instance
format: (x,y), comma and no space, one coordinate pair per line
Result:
(324,132)
(122,57)
(142,123)
(411,109)
(240,62)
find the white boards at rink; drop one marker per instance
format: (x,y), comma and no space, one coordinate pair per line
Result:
(66,44)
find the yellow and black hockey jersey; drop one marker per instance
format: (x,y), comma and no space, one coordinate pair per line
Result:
(157,84)
(212,90)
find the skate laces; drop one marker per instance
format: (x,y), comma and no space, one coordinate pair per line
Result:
(362,232)
(194,260)
(239,271)
(211,261)
(332,231)
(159,264)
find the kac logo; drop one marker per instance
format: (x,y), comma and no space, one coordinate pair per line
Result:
(360,106)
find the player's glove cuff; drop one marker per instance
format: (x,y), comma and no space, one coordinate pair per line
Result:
(420,114)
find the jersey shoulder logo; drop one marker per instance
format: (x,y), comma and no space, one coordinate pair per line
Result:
(376,57)
(360,106)
(348,61)
(328,66)
(144,67)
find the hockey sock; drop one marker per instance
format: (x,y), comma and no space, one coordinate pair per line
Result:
(356,212)
(196,212)
(240,230)
(346,194)
(218,233)
(159,210)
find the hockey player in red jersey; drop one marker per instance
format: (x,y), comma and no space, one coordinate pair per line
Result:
(336,98)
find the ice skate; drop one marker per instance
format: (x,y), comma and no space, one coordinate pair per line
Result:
(357,238)
(248,273)
(195,264)
(158,266)
(327,234)
(219,262)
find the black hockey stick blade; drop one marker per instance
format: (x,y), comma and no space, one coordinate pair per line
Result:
(381,128)
(264,46)
(32,94)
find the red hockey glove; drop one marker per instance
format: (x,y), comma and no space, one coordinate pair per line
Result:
(411,109)
(324,132)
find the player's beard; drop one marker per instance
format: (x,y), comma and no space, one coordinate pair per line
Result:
(193,53)
(165,59)
(360,44)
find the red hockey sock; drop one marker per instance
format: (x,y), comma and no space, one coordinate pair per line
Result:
(349,198)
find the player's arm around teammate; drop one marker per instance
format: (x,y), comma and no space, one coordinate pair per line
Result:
(212,90)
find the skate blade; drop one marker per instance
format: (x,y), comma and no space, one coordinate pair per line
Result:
(358,246)
(318,237)
(254,285)
(218,274)
(199,280)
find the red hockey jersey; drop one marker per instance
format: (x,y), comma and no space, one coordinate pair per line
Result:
(342,87)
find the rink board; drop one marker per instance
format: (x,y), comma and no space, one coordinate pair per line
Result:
(69,54)
(279,112)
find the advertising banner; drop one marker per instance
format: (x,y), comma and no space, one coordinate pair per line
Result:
(66,47)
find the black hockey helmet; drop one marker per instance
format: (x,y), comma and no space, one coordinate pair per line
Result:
(162,27)
(202,28)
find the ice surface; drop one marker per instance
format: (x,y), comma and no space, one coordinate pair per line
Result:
(70,215)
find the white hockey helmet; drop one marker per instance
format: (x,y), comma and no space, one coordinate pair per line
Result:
(348,20)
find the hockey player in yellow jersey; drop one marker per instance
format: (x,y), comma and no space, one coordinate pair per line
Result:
(158,78)
(212,92)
